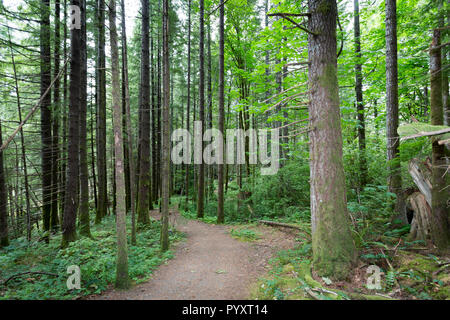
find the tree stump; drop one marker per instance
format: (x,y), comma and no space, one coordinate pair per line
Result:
(420,226)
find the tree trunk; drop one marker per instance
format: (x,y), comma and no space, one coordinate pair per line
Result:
(4,241)
(221,166)
(393,139)
(122,279)
(144,170)
(84,171)
(440,231)
(46,117)
(129,129)
(101,114)
(54,220)
(359,101)
(71,197)
(188,111)
(333,247)
(201,88)
(165,158)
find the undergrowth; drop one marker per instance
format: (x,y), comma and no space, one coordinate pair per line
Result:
(96,258)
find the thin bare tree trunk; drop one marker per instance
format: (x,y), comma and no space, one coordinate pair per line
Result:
(4,240)
(85,228)
(221,166)
(54,220)
(129,129)
(101,116)
(359,100)
(188,111)
(165,158)
(122,279)
(201,167)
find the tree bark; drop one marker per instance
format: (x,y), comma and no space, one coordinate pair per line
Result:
(4,240)
(201,86)
(85,229)
(165,157)
(359,100)
(71,197)
(144,170)
(101,117)
(221,166)
(334,251)
(440,230)
(393,139)
(188,111)
(54,220)
(132,174)
(46,117)
(122,279)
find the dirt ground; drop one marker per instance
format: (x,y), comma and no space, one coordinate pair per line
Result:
(209,265)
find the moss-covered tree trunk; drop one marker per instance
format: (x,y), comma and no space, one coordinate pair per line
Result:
(440,230)
(122,279)
(333,247)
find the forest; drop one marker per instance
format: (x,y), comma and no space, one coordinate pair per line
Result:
(224,150)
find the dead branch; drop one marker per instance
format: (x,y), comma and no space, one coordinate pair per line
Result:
(284,16)
(426,134)
(293,123)
(29,272)
(297,134)
(33,110)
(286,100)
(307,14)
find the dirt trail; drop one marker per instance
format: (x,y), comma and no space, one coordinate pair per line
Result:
(209,265)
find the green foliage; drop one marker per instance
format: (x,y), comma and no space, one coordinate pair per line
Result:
(96,258)
(244,234)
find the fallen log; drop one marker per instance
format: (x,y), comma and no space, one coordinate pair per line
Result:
(279,224)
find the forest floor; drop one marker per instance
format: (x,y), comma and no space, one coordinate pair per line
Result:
(215,262)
